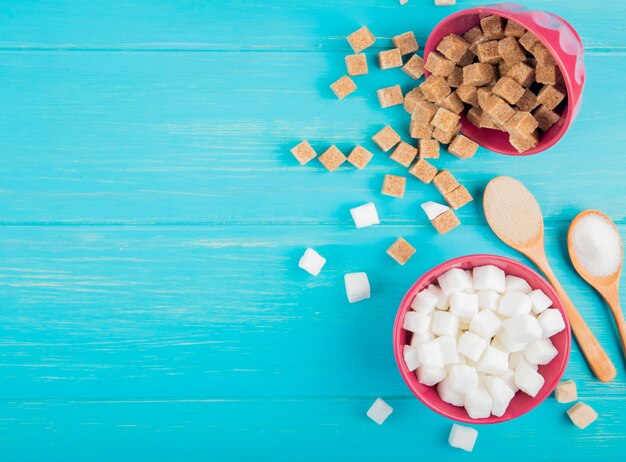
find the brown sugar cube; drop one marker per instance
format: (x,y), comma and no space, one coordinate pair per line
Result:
(435,88)
(528,41)
(482,95)
(360,157)
(522,73)
(423,171)
(390,96)
(303,152)
(528,101)
(458,197)
(414,67)
(361,39)
(386,139)
(403,154)
(466,59)
(524,142)
(428,149)
(546,74)
(486,121)
(497,108)
(453,47)
(468,94)
(445,181)
(394,185)
(492,27)
(542,55)
(412,98)
(445,222)
(343,87)
(478,74)
(514,29)
(582,415)
(390,58)
(462,147)
(420,130)
(401,251)
(474,36)
(356,64)
(473,116)
(453,103)
(503,68)
(565,392)
(488,52)
(545,118)
(508,89)
(424,112)
(456,77)
(550,96)
(438,64)
(511,51)
(445,136)
(406,43)
(445,120)
(522,123)
(332,158)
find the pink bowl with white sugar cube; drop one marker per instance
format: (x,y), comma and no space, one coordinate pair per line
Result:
(521,402)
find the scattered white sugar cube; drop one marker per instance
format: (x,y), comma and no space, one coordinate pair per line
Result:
(523,328)
(431,375)
(410,357)
(516,284)
(488,300)
(416,322)
(418,339)
(464,305)
(462,437)
(445,323)
(471,346)
(582,415)
(528,380)
(425,301)
(434,209)
(511,345)
(565,392)
(478,403)
(463,378)
(493,361)
(551,322)
(448,395)
(443,302)
(357,286)
(485,324)
(429,354)
(365,215)
(540,301)
(448,348)
(379,411)
(501,394)
(312,262)
(488,277)
(454,280)
(509,378)
(517,359)
(445,2)
(514,303)
(540,351)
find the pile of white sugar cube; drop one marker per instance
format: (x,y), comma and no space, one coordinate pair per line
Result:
(479,336)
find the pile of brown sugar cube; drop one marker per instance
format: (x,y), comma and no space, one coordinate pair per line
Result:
(500,74)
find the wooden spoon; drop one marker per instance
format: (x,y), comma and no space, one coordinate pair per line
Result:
(514,215)
(607,286)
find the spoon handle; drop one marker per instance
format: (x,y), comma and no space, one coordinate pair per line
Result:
(611,295)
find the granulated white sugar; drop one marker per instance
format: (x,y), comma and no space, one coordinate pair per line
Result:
(597,245)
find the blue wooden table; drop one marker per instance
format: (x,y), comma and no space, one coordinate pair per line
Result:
(152,218)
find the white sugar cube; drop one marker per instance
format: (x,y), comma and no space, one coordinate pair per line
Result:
(507,341)
(517,359)
(418,339)
(464,305)
(462,437)
(478,403)
(493,361)
(443,2)
(410,357)
(429,354)
(443,302)
(445,323)
(454,280)
(448,347)
(516,284)
(551,322)
(509,378)
(565,392)
(540,351)
(485,324)
(501,394)
(379,411)
(431,375)
(540,301)
(523,328)
(449,395)
(365,215)
(312,262)
(416,322)
(488,277)
(463,378)
(488,300)
(434,209)
(425,301)
(514,303)
(357,286)
(496,343)
(471,346)
(528,380)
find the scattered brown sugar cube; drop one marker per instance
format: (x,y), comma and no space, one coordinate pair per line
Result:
(527,102)
(414,67)
(303,152)
(394,185)
(462,147)
(522,123)
(565,392)
(445,120)
(343,87)
(546,74)
(474,36)
(445,136)
(360,157)
(403,154)
(492,27)
(497,108)
(428,149)
(386,139)
(510,51)
(458,197)
(445,181)
(361,39)
(390,96)
(528,41)
(487,52)
(406,43)
(524,142)
(390,58)
(468,94)
(356,64)
(550,96)
(453,47)
(332,158)
(419,130)
(473,116)
(453,103)
(456,77)
(478,74)
(435,88)
(514,29)
(424,112)
(466,59)
(522,73)
(582,415)
(542,55)
(412,98)
(545,118)
(437,64)
(401,251)
(508,89)
(423,170)
(445,222)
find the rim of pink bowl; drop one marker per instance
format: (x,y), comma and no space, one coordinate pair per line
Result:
(482,135)
(432,400)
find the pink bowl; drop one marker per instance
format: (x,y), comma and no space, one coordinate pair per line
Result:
(521,403)
(560,39)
